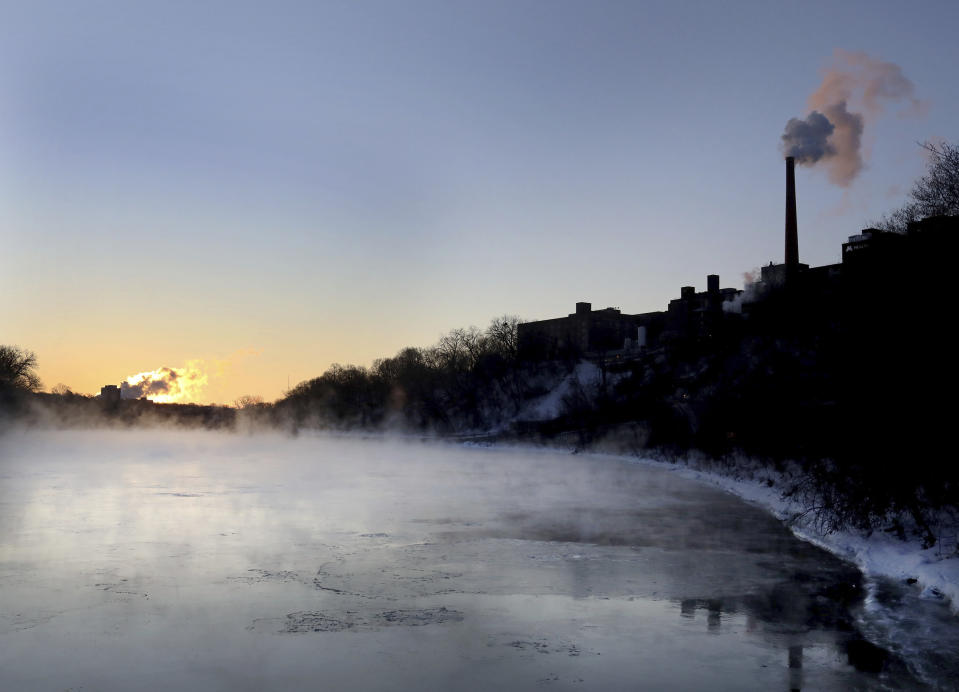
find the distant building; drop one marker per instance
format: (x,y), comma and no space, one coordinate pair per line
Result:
(697,315)
(579,332)
(110,394)
(595,332)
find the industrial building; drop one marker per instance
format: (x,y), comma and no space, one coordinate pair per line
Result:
(702,315)
(587,331)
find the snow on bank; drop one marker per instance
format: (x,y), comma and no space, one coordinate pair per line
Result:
(550,405)
(877,554)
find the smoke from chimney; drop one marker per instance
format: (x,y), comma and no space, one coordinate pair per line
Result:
(166,385)
(832,133)
(807,140)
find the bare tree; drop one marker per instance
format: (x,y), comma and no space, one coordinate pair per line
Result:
(247,401)
(501,333)
(460,349)
(18,369)
(934,194)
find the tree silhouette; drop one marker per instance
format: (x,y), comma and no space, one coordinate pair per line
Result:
(247,401)
(501,335)
(18,369)
(934,194)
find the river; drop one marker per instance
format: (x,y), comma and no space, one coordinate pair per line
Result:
(155,560)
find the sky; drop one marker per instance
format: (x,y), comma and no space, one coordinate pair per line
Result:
(264,189)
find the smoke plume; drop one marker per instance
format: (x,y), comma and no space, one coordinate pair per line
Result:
(808,140)
(832,133)
(166,385)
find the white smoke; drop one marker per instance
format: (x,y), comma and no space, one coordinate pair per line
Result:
(750,293)
(166,385)
(831,132)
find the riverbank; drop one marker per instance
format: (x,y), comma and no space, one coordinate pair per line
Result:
(877,554)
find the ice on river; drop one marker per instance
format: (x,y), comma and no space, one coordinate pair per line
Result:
(205,561)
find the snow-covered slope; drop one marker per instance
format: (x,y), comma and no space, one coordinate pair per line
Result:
(549,406)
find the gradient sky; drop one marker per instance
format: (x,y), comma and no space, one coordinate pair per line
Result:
(273,187)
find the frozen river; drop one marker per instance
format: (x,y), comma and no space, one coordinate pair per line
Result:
(201,561)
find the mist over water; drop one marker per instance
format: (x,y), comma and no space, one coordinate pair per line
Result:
(203,561)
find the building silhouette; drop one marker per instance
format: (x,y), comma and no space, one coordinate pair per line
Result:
(872,260)
(110,394)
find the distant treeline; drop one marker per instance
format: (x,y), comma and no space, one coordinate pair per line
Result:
(471,380)
(67,409)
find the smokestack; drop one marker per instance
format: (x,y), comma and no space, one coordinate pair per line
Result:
(792,234)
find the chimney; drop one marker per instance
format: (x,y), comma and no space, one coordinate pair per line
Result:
(792,234)
(712,283)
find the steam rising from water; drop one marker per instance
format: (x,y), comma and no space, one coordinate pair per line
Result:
(272,562)
(831,132)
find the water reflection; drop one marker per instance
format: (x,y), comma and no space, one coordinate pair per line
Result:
(714,620)
(714,615)
(805,622)
(795,668)
(713,608)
